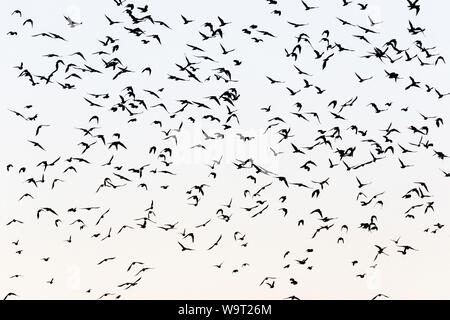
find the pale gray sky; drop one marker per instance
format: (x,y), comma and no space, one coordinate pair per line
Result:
(191,275)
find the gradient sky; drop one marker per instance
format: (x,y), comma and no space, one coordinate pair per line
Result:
(191,275)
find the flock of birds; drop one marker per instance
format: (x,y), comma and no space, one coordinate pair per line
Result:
(348,146)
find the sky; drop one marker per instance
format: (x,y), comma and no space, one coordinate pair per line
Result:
(74,267)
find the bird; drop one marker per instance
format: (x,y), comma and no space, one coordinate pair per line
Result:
(215,243)
(380,251)
(224,51)
(307,7)
(183,248)
(185,20)
(29,21)
(268,141)
(272,81)
(380,295)
(361,80)
(72,23)
(10,294)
